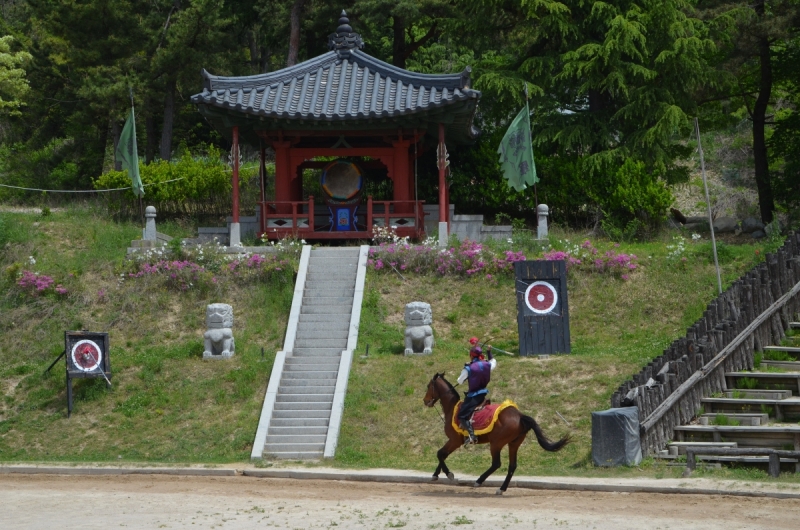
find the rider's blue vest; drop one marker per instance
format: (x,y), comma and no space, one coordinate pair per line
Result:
(478,378)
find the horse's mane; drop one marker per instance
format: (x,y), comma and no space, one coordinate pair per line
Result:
(449,385)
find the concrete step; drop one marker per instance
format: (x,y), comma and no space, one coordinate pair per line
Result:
(330,291)
(305,431)
(771,436)
(309,374)
(297,406)
(780,409)
(758,394)
(332,360)
(302,342)
(298,414)
(326,309)
(284,439)
(304,384)
(302,450)
(299,422)
(333,269)
(296,455)
(330,283)
(335,252)
(794,325)
(304,398)
(783,365)
(794,351)
(320,275)
(330,319)
(763,380)
(306,389)
(330,331)
(316,298)
(679,448)
(317,352)
(753,419)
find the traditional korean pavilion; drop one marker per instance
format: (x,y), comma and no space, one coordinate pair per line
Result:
(342,112)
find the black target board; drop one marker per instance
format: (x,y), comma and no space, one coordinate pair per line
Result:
(542,309)
(86,353)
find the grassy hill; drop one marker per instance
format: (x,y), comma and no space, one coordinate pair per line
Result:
(168,405)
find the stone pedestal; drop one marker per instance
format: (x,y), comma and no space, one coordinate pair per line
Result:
(235,237)
(542,211)
(443,235)
(419,334)
(150,224)
(219,343)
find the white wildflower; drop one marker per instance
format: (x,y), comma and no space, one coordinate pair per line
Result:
(695,237)
(31,260)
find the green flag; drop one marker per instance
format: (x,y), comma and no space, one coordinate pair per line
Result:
(516,153)
(128,153)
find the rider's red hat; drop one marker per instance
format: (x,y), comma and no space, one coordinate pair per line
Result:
(473,340)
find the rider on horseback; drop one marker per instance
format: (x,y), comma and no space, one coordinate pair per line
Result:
(478,373)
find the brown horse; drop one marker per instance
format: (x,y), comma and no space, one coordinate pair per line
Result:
(510,429)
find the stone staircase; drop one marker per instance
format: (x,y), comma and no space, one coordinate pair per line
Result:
(313,368)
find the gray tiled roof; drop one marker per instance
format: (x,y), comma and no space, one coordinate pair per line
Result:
(344,89)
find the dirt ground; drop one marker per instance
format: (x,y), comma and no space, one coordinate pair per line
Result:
(147,501)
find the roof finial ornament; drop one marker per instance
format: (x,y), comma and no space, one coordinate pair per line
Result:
(344,39)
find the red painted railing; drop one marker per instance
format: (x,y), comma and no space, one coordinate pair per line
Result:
(280,219)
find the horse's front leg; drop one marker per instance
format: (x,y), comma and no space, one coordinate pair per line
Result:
(442,454)
(512,462)
(495,450)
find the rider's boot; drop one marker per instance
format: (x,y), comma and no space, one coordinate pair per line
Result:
(471,439)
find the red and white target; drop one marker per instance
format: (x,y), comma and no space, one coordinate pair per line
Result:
(541,297)
(86,355)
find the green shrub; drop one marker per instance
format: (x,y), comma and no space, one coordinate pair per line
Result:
(632,199)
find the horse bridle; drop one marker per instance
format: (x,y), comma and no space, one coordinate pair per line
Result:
(433,401)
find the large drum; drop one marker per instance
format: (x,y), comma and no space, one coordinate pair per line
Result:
(342,182)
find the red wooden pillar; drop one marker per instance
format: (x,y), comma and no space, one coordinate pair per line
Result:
(400,175)
(235,156)
(283,176)
(443,206)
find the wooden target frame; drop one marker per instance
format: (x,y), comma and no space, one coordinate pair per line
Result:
(87,356)
(542,307)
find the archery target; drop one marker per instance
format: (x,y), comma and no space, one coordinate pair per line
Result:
(86,355)
(541,297)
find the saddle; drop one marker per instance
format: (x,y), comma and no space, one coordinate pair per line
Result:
(484,417)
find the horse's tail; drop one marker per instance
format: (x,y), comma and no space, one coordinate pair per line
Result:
(529,424)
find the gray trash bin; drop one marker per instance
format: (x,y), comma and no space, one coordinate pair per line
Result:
(615,437)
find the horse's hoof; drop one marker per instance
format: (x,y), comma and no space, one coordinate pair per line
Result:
(434,478)
(476,485)
(499,491)
(450,476)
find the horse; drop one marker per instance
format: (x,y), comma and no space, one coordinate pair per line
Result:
(510,429)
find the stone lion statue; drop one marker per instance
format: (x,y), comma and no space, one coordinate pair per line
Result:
(419,334)
(219,341)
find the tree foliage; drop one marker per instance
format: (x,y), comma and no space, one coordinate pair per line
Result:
(613,85)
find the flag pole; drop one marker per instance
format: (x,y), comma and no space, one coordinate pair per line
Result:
(708,203)
(527,109)
(141,206)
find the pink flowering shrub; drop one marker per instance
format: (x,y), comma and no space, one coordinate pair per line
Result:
(35,284)
(588,258)
(468,259)
(184,275)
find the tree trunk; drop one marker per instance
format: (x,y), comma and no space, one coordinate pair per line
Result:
(116,132)
(399,42)
(252,42)
(169,118)
(152,134)
(766,203)
(294,31)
